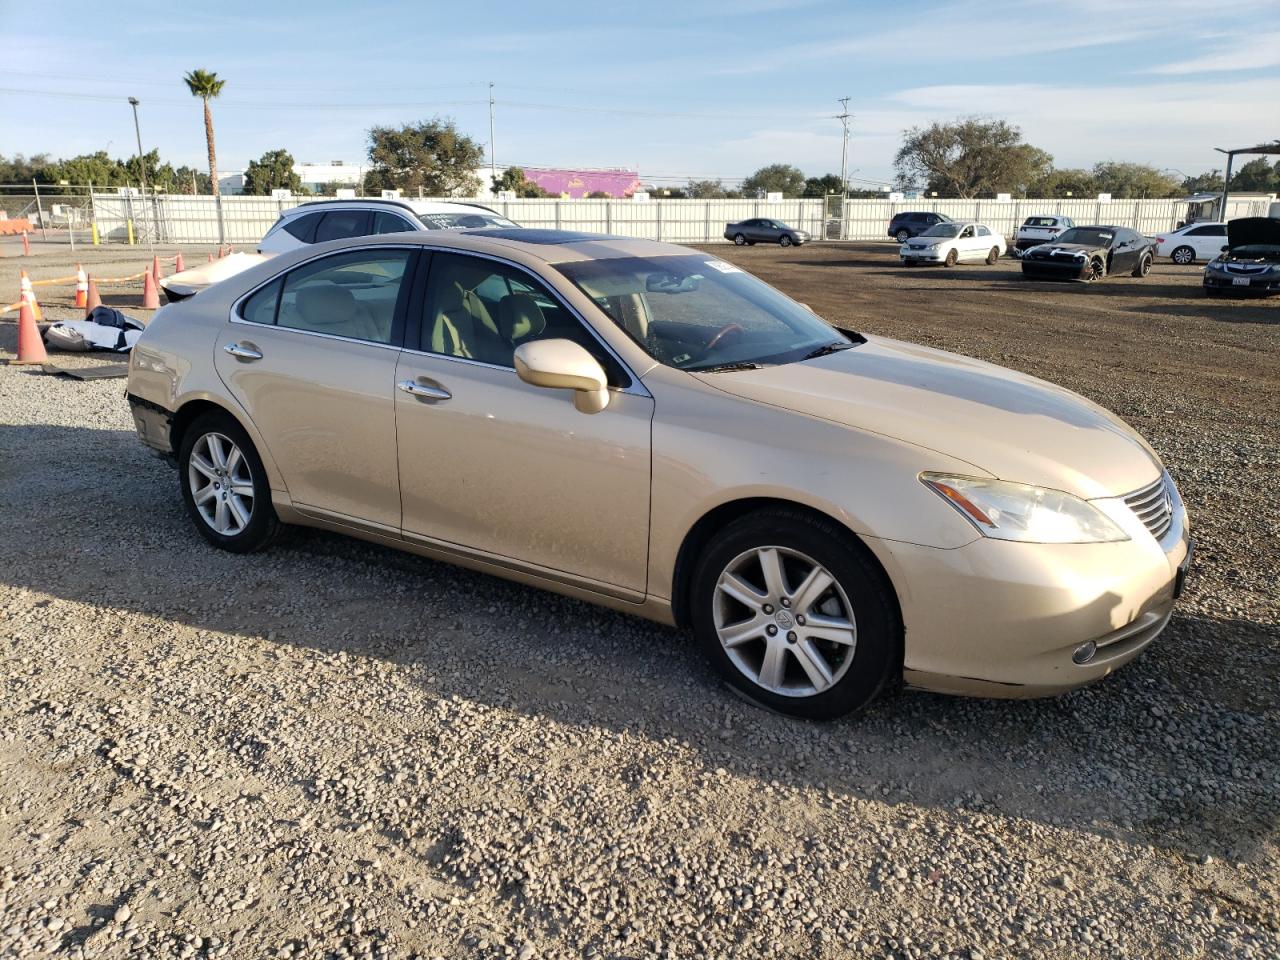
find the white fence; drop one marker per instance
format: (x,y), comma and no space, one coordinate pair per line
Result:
(181,218)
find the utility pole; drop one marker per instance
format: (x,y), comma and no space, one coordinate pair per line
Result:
(844,117)
(142,165)
(493,166)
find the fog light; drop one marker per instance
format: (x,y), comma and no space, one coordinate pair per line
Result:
(1084,653)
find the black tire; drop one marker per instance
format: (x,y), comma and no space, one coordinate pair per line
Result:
(784,241)
(751,243)
(993,255)
(739,239)
(1095,271)
(877,654)
(902,236)
(1144,266)
(263,525)
(1183,256)
(952,257)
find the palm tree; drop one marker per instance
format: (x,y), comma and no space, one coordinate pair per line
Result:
(206,86)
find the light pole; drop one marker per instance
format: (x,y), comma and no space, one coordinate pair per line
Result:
(142,165)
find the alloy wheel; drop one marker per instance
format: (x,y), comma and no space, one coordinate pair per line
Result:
(784,621)
(221,484)
(1183,256)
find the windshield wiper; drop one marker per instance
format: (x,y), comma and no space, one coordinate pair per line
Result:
(834,347)
(727,367)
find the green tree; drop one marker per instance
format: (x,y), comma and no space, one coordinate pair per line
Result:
(599,195)
(825,185)
(513,179)
(20,169)
(272,171)
(1134,181)
(432,156)
(775,178)
(1064,183)
(189,180)
(1257,176)
(968,157)
(207,86)
(1210,182)
(707,190)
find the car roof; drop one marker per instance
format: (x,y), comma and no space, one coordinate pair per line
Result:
(413,206)
(522,243)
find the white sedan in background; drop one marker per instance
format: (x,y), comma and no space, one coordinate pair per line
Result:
(1192,242)
(949,243)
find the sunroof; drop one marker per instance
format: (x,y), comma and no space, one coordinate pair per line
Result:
(534,235)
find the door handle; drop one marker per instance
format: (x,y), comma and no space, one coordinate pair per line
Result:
(423,392)
(241,352)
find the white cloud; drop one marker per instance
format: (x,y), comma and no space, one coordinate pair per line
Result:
(1252,52)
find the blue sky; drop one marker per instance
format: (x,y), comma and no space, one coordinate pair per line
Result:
(674,89)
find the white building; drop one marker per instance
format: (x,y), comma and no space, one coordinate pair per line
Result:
(315,176)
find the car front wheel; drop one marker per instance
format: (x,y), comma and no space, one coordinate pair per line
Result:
(795,617)
(785,240)
(224,485)
(952,257)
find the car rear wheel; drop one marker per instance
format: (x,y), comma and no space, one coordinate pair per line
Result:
(1143,267)
(739,239)
(952,257)
(902,236)
(224,485)
(993,255)
(1183,256)
(795,617)
(784,241)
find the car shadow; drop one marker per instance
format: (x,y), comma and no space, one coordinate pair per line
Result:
(1078,761)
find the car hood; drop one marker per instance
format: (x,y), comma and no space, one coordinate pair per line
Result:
(1248,230)
(1046,249)
(1010,425)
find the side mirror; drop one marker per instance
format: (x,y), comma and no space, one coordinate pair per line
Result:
(564,365)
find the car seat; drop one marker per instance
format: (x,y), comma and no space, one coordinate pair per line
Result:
(329,308)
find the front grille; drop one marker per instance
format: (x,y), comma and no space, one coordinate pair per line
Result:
(1153,506)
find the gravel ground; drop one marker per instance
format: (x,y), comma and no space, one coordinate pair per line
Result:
(336,750)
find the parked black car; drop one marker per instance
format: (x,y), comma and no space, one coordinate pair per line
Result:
(1250,261)
(904,226)
(1090,253)
(760,230)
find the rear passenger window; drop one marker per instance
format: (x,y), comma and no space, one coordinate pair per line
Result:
(261,307)
(338,224)
(304,227)
(389,223)
(348,295)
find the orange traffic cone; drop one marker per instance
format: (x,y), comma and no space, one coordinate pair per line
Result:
(28,295)
(82,287)
(178,265)
(26,245)
(211,258)
(92,299)
(155,268)
(150,296)
(30,343)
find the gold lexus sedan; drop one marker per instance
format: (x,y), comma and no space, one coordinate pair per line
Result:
(649,427)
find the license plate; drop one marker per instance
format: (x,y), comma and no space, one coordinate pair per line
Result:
(1240,281)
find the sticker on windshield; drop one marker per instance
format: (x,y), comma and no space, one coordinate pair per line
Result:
(723,267)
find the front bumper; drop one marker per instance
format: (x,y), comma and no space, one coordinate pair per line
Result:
(1263,283)
(922,255)
(1002,619)
(1054,269)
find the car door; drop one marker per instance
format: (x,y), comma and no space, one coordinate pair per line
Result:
(1126,247)
(964,243)
(311,357)
(1208,241)
(505,470)
(756,230)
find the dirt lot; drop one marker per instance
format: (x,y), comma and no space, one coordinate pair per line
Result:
(333,749)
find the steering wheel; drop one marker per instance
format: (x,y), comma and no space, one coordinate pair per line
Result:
(729,329)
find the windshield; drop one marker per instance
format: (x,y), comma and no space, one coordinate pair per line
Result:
(942,230)
(698,313)
(1086,236)
(480,220)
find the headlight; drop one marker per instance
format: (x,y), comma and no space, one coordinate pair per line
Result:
(1217,265)
(1018,511)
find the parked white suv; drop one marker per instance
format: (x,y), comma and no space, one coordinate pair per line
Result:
(1040,229)
(320,220)
(1192,242)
